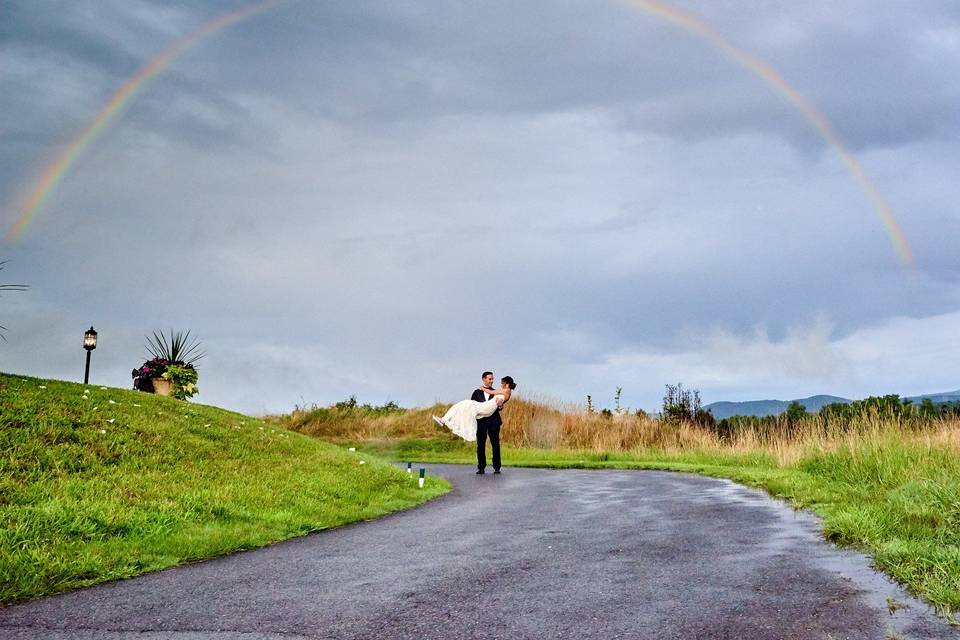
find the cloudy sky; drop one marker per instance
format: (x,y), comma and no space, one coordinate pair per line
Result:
(386,198)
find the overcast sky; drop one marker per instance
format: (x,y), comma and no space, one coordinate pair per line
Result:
(386,198)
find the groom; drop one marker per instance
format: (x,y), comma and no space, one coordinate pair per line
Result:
(487,427)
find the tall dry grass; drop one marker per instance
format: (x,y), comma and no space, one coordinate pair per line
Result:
(544,424)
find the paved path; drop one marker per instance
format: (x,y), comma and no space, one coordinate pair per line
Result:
(528,554)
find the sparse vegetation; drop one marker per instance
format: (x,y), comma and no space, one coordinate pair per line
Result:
(895,605)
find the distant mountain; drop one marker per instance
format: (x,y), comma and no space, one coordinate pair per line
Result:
(938,398)
(813,404)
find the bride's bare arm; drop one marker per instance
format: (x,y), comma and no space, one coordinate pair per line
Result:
(505,392)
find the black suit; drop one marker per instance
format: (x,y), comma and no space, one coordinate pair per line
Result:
(487,427)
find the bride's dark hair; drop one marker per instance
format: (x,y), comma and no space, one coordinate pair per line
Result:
(509,382)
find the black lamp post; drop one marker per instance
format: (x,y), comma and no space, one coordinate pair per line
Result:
(89,343)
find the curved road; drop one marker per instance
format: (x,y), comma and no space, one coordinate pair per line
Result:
(528,554)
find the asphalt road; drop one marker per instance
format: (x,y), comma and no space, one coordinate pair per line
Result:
(528,554)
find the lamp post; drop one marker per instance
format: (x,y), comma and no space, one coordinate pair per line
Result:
(89,343)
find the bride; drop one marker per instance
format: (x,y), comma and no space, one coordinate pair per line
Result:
(461,418)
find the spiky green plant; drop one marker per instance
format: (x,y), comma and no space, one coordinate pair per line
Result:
(177,347)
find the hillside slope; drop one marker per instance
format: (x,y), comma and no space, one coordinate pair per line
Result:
(101,483)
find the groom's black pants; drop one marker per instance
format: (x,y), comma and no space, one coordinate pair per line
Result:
(483,431)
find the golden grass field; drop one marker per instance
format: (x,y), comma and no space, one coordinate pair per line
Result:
(556,426)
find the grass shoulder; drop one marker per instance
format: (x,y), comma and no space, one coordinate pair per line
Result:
(103,483)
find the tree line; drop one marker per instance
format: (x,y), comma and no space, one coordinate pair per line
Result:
(684,405)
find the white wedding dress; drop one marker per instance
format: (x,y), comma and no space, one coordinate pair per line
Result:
(461,418)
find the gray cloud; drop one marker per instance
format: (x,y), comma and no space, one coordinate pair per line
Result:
(386,199)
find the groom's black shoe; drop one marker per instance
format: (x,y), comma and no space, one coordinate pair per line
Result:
(496,472)
(480,472)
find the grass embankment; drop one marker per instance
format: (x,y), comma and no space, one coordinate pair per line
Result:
(112,483)
(888,487)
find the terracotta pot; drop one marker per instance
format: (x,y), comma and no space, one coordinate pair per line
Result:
(161,386)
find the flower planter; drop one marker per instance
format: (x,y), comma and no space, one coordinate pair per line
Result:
(162,387)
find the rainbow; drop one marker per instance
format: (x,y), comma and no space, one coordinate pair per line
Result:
(54,172)
(698,27)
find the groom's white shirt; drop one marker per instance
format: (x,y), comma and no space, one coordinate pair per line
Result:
(486,396)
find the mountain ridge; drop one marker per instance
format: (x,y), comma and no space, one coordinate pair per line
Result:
(725,409)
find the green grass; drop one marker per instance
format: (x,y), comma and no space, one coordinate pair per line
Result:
(115,483)
(895,499)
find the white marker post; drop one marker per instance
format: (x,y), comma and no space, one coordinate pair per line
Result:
(409,467)
(422,470)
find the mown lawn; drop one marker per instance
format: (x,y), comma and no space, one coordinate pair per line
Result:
(102,483)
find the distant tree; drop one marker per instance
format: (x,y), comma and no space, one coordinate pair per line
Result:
(351,405)
(837,413)
(728,427)
(683,405)
(347,405)
(928,409)
(884,407)
(949,409)
(796,412)
(704,418)
(888,406)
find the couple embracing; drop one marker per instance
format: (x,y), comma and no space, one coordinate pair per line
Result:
(479,418)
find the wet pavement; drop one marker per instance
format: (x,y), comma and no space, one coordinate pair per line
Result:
(527,554)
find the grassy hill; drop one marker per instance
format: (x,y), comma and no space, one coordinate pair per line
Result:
(102,483)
